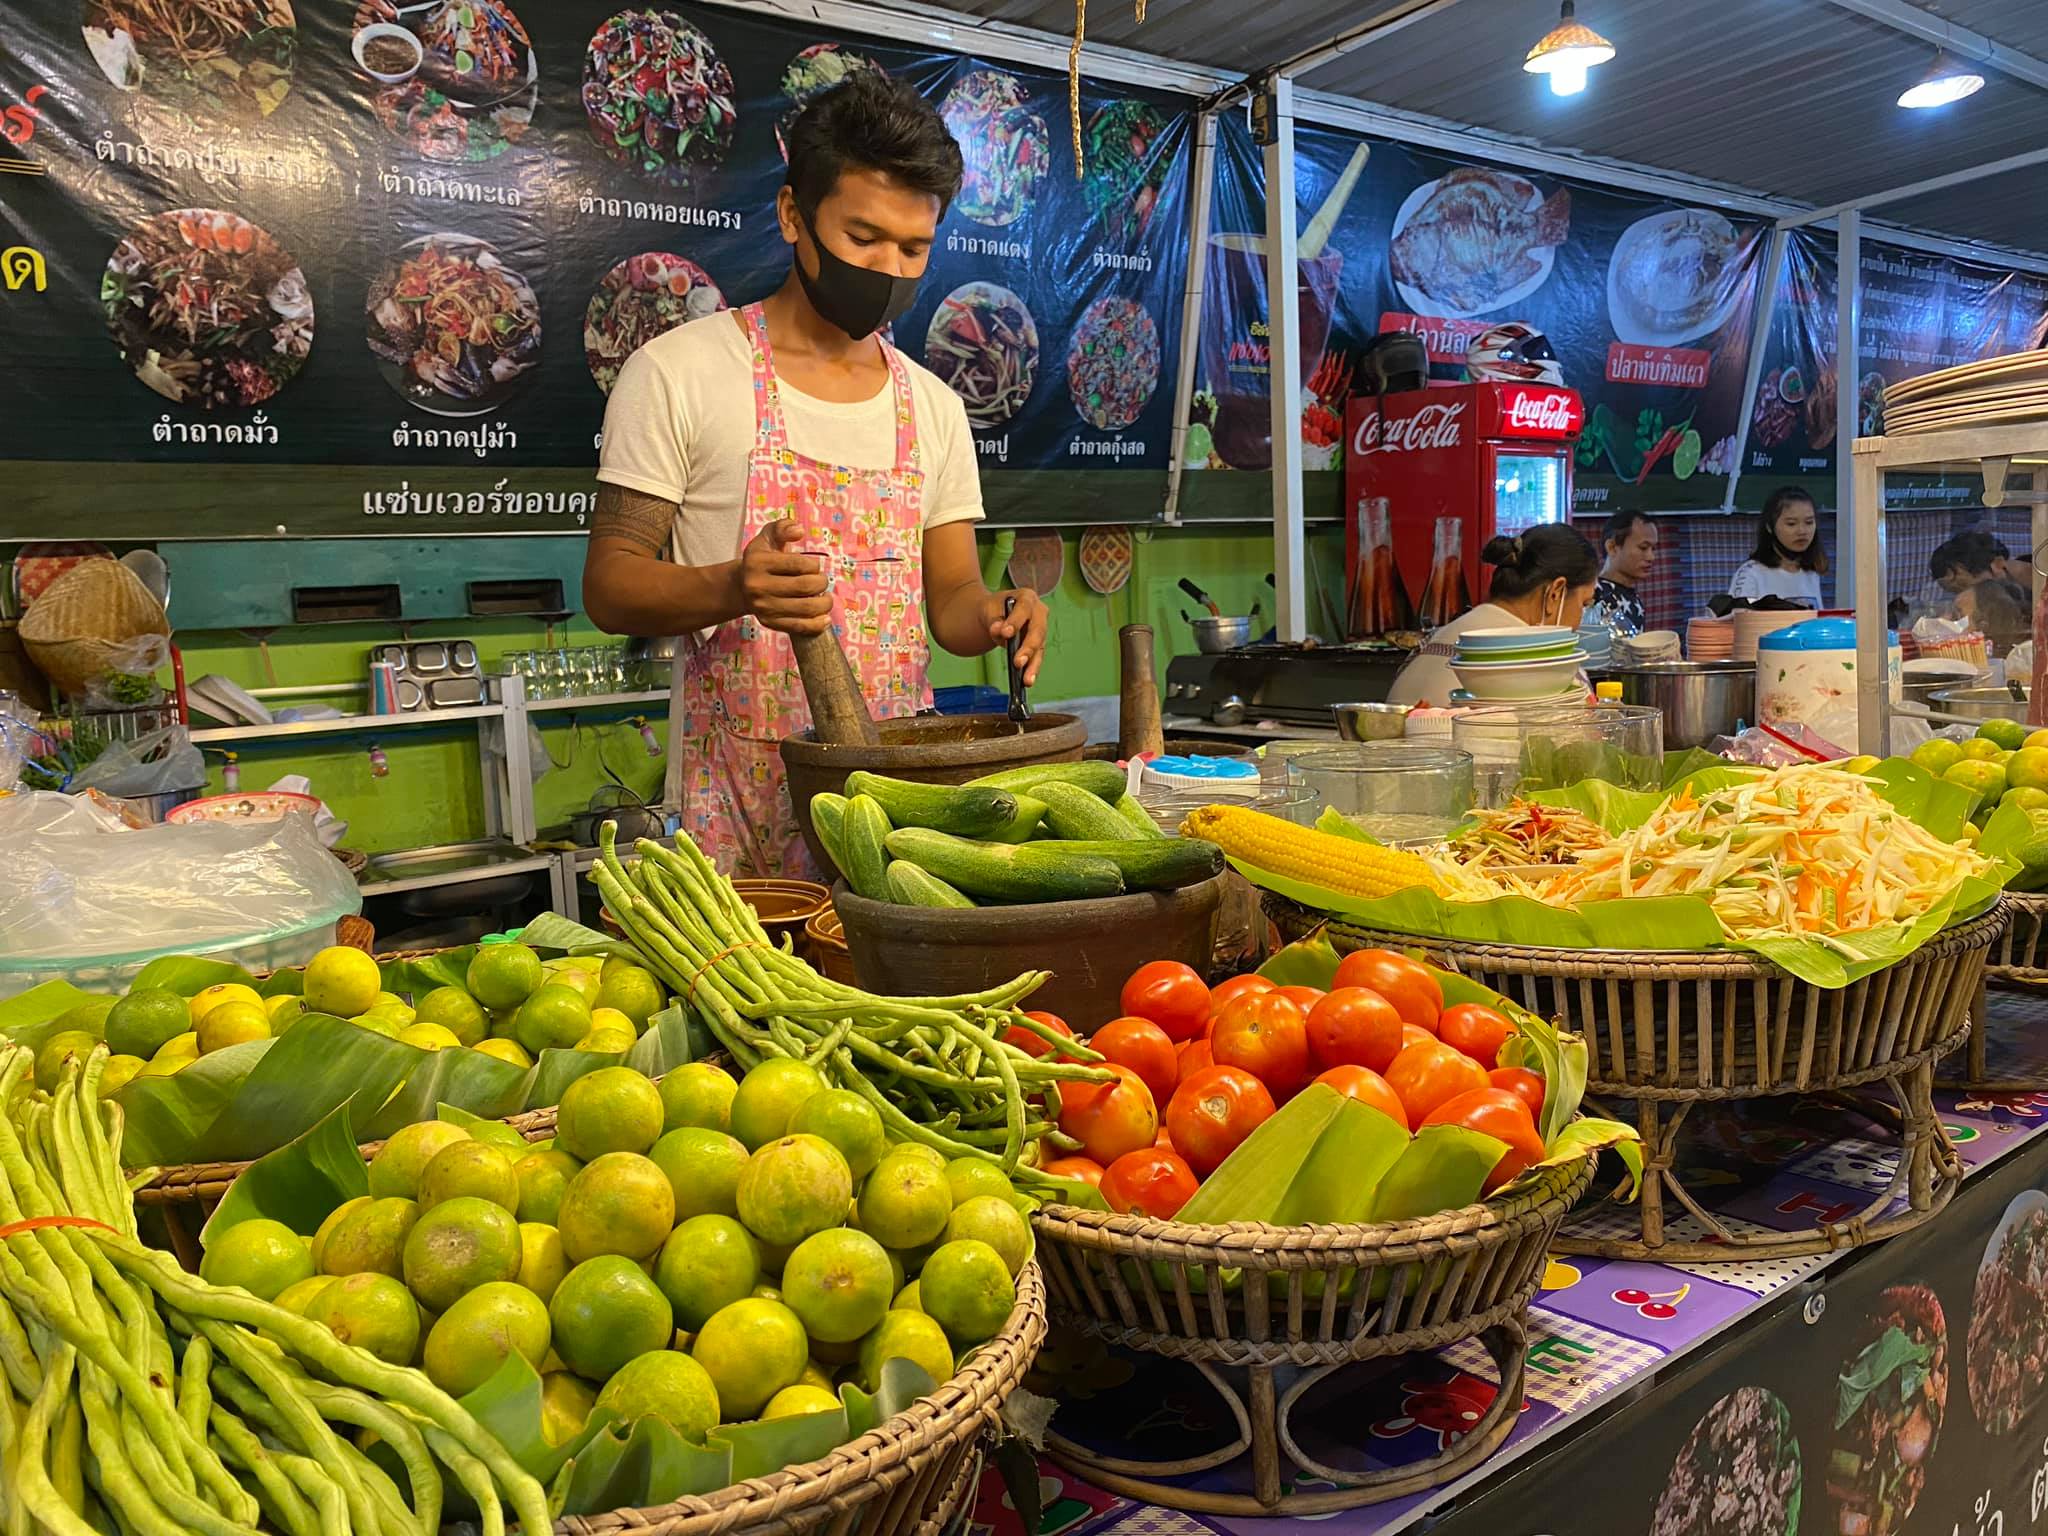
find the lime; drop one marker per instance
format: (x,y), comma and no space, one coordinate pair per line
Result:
(1200,444)
(333,1219)
(204,1002)
(479,1333)
(510,1051)
(378,1024)
(793,1187)
(1685,458)
(768,1096)
(2007,735)
(259,1255)
(1937,756)
(753,1349)
(619,1203)
(2036,738)
(815,1375)
(1863,763)
(965,1287)
(703,1169)
(542,1263)
(64,1046)
(766,1291)
(455,1011)
(457,1246)
(908,1336)
(565,1404)
(613,1109)
(297,1296)
(918,1149)
(632,991)
(604,1313)
(178,1051)
(542,1178)
(801,1398)
(232,1023)
(846,1120)
(285,1009)
(584,983)
(2025,797)
(120,1071)
(470,1168)
(370,1311)
(607,1041)
(342,981)
(504,1023)
(2028,768)
(429,1037)
(140,1023)
(906,1200)
(1986,779)
(907,1299)
(91,1016)
(996,1222)
(697,1093)
(1979,749)
(611,1019)
(663,1384)
(554,1018)
(839,1283)
(967,1177)
(707,1263)
(503,975)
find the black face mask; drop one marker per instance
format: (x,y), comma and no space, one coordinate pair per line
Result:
(857,300)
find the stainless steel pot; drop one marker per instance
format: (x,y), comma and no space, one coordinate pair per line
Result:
(1980,703)
(1371,722)
(1213,635)
(1699,699)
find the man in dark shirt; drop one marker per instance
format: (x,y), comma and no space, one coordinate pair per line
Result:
(1630,541)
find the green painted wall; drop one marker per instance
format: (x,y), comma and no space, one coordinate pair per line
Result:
(432,793)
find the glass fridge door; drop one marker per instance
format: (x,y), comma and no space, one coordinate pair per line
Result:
(1529,488)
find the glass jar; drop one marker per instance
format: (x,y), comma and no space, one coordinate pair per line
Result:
(1517,748)
(1398,791)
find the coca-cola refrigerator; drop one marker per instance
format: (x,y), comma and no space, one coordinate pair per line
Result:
(1432,475)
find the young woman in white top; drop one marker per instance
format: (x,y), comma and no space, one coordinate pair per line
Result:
(1789,561)
(1542,576)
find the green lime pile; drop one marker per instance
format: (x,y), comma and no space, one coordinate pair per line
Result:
(2004,763)
(704,1251)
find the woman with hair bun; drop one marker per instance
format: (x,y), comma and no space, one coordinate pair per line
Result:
(1544,575)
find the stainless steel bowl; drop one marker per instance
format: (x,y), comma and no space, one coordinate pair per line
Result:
(1980,703)
(1214,635)
(1699,699)
(1371,722)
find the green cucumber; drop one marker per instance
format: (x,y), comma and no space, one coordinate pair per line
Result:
(1148,864)
(954,808)
(864,836)
(828,820)
(1141,821)
(1073,814)
(914,887)
(1105,781)
(1023,826)
(1027,872)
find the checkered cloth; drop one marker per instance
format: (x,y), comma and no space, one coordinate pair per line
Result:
(1570,1363)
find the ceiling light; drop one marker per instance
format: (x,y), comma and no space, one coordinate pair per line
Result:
(1946,80)
(1567,51)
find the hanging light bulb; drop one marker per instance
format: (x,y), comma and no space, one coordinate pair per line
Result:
(1946,80)
(1567,52)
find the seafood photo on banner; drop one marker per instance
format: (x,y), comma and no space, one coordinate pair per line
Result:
(1113,364)
(1004,142)
(639,299)
(983,343)
(207,308)
(230,56)
(1476,239)
(658,96)
(470,92)
(452,325)
(811,74)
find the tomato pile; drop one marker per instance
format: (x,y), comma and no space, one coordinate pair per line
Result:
(1198,1069)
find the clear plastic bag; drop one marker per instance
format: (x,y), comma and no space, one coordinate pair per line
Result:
(158,763)
(93,901)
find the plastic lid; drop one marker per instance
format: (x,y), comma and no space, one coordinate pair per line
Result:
(1817,635)
(1199,767)
(1607,691)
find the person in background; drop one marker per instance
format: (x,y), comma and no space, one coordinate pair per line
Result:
(2017,569)
(1788,561)
(1544,575)
(1966,567)
(1630,543)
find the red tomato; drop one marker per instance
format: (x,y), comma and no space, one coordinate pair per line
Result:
(1142,1046)
(1426,1075)
(1405,983)
(1266,1033)
(1476,1030)
(1212,1112)
(1308,997)
(1152,1181)
(1192,1056)
(1523,1084)
(1224,991)
(1031,1044)
(1109,1119)
(1170,995)
(1086,1169)
(1354,1026)
(1415,1034)
(1498,1113)
(1370,1089)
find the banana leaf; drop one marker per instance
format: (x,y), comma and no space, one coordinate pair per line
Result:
(1442,1169)
(416,976)
(187,974)
(301,1183)
(37,1008)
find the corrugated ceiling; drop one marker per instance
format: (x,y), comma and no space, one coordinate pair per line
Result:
(1792,99)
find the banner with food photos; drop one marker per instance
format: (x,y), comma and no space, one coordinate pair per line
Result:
(373,267)
(1648,303)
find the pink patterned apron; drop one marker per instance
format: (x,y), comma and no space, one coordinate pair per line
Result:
(739,693)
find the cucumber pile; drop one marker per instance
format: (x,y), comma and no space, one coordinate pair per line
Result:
(1049,832)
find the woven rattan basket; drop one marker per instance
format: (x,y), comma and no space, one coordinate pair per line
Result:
(81,626)
(2020,957)
(1160,1287)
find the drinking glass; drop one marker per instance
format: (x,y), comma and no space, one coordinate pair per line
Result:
(1398,791)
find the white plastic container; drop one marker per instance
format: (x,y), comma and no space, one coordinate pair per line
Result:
(1806,675)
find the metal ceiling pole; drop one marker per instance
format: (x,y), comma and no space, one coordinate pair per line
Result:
(1916,21)
(2019,162)
(1759,339)
(1401,14)
(1201,186)
(1859,497)
(1273,124)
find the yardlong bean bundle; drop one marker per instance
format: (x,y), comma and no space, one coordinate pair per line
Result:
(936,1069)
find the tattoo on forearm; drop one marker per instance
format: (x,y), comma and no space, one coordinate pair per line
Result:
(633,516)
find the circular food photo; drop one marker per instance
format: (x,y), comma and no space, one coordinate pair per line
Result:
(810,75)
(1113,364)
(1003,142)
(1890,1398)
(207,308)
(640,298)
(983,344)
(1672,277)
(458,81)
(659,97)
(2008,1344)
(452,327)
(1737,1474)
(231,57)
(1126,166)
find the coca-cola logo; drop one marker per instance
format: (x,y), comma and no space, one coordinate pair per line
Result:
(1434,426)
(1542,413)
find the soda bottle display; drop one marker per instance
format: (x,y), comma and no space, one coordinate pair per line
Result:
(1379,604)
(1446,596)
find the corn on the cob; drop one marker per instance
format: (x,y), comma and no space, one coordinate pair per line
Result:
(1301,853)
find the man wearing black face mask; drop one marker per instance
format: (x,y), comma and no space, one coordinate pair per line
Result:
(782,469)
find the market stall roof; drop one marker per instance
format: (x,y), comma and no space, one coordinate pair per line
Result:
(1789,100)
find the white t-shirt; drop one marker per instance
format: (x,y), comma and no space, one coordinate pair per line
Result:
(1427,678)
(681,424)
(1752,581)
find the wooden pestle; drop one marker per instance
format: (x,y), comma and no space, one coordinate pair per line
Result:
(838,712)
(1138,728)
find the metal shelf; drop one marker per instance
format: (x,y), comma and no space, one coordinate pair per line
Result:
(597,701)
(516,862)
(348,724)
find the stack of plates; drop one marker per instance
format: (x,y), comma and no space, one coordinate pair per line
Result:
(1994,392)
(1752,624)
(1597,641)
(1710,639)
(1525,662)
